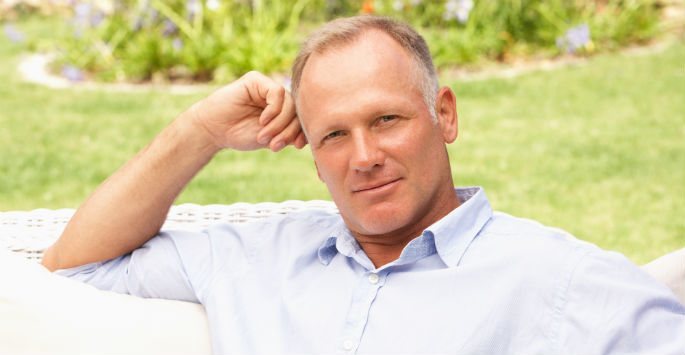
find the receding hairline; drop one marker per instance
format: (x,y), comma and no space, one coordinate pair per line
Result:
(343,32)
(366,35)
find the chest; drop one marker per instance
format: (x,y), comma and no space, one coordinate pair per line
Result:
(341,308)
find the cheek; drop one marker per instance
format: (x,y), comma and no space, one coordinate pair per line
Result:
(330,167)
(422,152)
(414,143)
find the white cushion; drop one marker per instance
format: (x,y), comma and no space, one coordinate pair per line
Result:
(42,313)
(670,269)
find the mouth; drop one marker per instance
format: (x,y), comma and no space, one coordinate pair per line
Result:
(377,186)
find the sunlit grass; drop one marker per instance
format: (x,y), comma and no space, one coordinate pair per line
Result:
(596,149)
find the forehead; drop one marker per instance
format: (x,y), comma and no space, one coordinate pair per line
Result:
(373,67)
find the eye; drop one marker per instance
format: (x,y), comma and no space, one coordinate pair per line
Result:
(387,118)
(333,135)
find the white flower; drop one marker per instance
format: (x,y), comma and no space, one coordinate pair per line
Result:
(398,5)
(458,9)
(213,5)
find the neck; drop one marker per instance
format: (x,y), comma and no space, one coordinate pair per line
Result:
(385,248)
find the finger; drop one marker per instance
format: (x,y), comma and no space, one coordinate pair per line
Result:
(285,137)
(266,93)
(278,123)
(300,140)
(274,95)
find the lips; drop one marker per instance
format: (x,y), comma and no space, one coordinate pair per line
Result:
(373,186)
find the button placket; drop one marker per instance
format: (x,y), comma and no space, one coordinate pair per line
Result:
(358,314)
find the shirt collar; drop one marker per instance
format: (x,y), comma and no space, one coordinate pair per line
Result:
(341,241)
(452,234)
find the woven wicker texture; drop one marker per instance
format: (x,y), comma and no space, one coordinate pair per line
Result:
(29,233)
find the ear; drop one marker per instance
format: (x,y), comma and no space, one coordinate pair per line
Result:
(446,110)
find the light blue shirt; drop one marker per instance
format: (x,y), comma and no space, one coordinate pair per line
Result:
(475,282)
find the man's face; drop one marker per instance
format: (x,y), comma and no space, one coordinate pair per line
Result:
(374,143)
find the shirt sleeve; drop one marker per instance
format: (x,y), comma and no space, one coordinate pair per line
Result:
(158,269)
(611,306)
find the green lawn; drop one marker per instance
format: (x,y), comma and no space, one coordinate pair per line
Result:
(596,149)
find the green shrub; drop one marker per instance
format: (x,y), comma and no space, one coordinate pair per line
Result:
(222,39)
(186,40)
(499,30)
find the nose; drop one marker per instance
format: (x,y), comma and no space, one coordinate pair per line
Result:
(366,153)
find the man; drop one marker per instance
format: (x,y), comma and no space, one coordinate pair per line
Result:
(411,265)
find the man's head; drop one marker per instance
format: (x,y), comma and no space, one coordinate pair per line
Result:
(377,142)
(344,31)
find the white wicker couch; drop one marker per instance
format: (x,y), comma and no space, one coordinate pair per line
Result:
(44,313)
(41,313)
(29,233)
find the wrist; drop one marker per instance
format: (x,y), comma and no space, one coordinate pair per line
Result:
(190,130)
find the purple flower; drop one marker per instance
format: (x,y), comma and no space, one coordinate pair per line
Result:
(152,15)
(144,11)
(177,44)
(97,18)
(72,73)
(86,15)
(578,36)
(13,33)
(193,7)
(82,10)
(169,28)
(137,24)
(574,38)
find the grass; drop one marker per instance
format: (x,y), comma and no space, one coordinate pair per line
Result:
(596,149)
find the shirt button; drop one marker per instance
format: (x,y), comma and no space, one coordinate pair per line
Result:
(373,278)
(348,345)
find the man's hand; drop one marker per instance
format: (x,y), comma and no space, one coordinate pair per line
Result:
(130,207)
(250,113)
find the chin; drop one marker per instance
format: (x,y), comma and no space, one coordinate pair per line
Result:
(378,220)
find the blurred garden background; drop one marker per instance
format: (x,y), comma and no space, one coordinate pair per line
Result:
(595,145)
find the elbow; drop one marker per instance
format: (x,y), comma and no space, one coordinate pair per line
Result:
(50,259)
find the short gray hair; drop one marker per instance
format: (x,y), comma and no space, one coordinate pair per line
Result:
(346,30)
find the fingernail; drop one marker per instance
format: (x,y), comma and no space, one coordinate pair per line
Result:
(278,146)
(264,140)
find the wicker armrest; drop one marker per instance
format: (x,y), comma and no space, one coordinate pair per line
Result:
(29,233)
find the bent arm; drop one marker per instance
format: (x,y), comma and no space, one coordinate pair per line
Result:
(129,208)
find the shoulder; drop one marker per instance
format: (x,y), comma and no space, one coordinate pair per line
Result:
(549,260)
(597,299)
(287,225)
(528,242)
(304,230)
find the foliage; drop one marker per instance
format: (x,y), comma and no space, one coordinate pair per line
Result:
(511,28)
(192,39)
(218,40)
